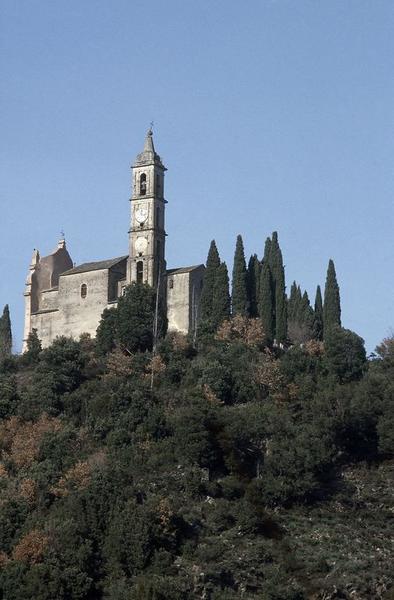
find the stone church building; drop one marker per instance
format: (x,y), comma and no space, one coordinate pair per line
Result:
(64,299)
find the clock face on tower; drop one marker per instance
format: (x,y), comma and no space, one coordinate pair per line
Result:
(141,244)
(141,214)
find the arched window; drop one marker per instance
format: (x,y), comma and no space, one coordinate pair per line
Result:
(157,216)
(140,271)
(158,185)
(84,290)
(171,283)
(143,184)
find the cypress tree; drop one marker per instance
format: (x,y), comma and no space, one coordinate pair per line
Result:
(221,302)
(5,333)
(300,316)
(257,269)
(305,313)
(253,276)
(213,262)
(267,250)
(332,303)
(265,302)
(318,316)
(279,289)
(239,292)
(293,303)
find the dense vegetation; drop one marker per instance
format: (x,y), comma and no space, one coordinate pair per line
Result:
(221,466)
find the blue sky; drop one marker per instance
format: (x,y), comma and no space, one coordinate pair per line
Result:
(270,115)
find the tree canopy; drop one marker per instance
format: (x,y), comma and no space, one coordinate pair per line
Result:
(112,488)
(219,466)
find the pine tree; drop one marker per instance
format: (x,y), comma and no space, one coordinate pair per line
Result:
(5,333)
(332,303)
(265,302)
(279,289)
(239,292)
(213,262)
(253,277)
(221,302)
(318,316)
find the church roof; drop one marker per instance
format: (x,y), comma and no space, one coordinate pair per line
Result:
(149,156)
(183,270)
(95,266)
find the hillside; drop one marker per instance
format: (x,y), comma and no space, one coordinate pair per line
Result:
(225,470)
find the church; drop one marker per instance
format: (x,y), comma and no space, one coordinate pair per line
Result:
(66,299)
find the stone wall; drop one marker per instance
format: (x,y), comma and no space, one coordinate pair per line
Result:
(183,297)
(195,283)
(66,312)
(82,314)
(178,302)
(48,325)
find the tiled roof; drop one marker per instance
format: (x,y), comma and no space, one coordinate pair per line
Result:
(183,270)
(94,266)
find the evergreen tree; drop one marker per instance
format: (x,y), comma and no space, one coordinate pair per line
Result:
(305,313)
(257,267)
(239,292)
(318,316)
(5,333)
(345,356)
(332,303)
(213,262)
(300,316)
(267,250)
(265,304)
(107,331)
(221,302)
(253,277)
(135,318)
(294,301)
(279,289)
(33,347)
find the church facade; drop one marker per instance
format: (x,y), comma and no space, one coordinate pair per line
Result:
(64,299)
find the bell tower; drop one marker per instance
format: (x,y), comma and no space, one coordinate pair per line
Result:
(146,260)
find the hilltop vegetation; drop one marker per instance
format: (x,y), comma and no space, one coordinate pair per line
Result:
(218,466)
(244,472)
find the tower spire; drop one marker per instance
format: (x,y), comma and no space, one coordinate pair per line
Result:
(148,156)
(148,145)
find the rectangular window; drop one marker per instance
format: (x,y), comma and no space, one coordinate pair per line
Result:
(140,271)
